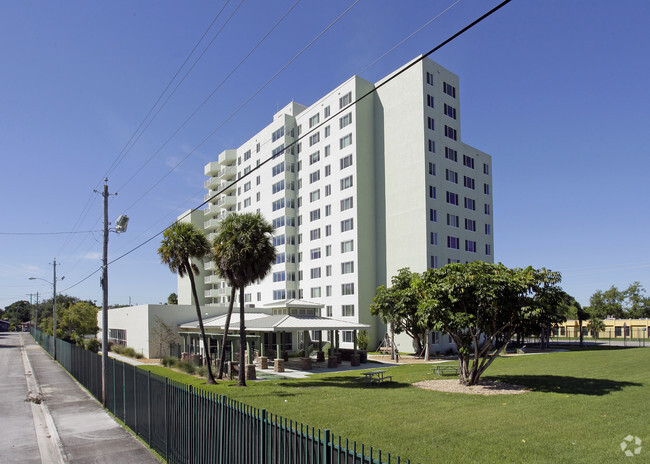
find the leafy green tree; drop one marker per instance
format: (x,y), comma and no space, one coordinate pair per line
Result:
(477,302)
(243,253)
(595,326)
(172,299)
(637,305)
(398,304)
(182,242)
(76,320)
(571,309)
(608,303)
(17,313)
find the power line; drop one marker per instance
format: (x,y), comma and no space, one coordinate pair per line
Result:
(318,126)
(50,233)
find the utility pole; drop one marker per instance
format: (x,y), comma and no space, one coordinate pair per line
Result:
(36,322)
(54,309)
(31,303)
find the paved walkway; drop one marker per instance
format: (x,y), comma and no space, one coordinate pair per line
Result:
(62,423)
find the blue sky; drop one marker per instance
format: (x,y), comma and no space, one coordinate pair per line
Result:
(555,91)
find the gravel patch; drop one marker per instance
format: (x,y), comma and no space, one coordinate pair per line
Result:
(485,387)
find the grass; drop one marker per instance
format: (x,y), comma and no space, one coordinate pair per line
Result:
(582,404)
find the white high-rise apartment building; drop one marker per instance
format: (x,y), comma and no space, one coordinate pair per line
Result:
(369,188)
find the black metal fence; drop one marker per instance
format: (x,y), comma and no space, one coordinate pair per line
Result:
(190,426)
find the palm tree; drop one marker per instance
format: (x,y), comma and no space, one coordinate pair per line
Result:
(243,253)
(182,242)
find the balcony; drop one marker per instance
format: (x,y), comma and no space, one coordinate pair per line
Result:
(227,173)
(227,157)
(227,201)
(227,186)
(214,293)
(212,224)
(211,210)
(209,266)
(212,183)
(212,279)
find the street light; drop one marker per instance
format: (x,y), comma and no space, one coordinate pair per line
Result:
(53,284)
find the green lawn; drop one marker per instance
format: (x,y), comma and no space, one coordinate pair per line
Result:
(582,404)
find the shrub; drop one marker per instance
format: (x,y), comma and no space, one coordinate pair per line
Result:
(202,371)
(119,349)
(139,356)
(169,361)
(130,352)
(187,366)
(362,341)
(93,345)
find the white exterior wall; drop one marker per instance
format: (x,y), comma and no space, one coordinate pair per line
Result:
(185,296)
(396,221)
(140,323)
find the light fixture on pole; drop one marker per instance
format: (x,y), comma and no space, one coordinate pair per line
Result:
(120,226)
(53,284)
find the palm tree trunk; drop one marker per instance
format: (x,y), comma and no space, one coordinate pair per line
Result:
(242,340)
(206,347)
(222,360)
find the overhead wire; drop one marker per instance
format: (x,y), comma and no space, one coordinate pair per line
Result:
(318,126)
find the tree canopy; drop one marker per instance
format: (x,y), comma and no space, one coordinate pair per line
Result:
(629,303)
(478,303)
(73,321)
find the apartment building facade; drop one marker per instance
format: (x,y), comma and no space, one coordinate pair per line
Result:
(356,190)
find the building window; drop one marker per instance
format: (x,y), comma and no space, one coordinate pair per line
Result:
(431,124)
(326,112)
(314,158)
(279,276)
(452,220)
(432,191)
(315,292)
(345,100)
(314,139)
(451,176)
(328,230)
(452,198)
(278,186)
(278,204)
(315,195)
(453,242)
(346,203)
(278,240)
(328,131)
(275,136)
(468,161)
(279,295)
(328,190)
(488,229)
(488,249)
(328,250)
(468,182)
(315,119)
(430,101)
(432,169)
(346,161)
(328,309)
(450,111)
(314,176)
(432,146)
(433,215)
(486,169)
(470,204)
(278,222)
(486,209)
(451,154)
(277,169)
(315,253)
(345,120)
(470,224)
(486,189)
(328,270)
(347,310)
(315,273)
(328,151)
(434,238)
(347,267)
(347,289)
(434,262)
(347,246)
(347,224)
(328,210)
(314,234)
(328,170)
(429,78)
(345,141)
(346,182)
(314,215)
(450,133)
(449,89)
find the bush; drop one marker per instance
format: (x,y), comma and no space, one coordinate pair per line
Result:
(119,349)
(139,356)
(130,352)
(187,367)
(202,371)
(169,361)
(93,345)
(362,341)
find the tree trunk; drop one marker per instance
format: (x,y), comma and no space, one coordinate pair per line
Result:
(392,341)
(222,360)
(426,347)
(582,344)
(206,347)
(242,340)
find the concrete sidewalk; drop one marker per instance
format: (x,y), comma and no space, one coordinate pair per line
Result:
(70,425)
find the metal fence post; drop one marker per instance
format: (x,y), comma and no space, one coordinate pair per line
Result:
(222,421)
(189,425)
(149,406)
(327,451)
(263,437)
(166,420)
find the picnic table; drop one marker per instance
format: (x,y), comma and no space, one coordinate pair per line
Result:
(442,370)
(376,376)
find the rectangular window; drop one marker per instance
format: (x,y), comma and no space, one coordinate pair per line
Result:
(328,210)
(453,242)
(347,246)
(347,310)
(277,151)
(430,101)
(315,195)
(488,229)
(486,169)
(346,161)
(328,151)
(314,158)
(279,294)
(278,222)
(314,139)
(347,224)
(328,190)
(431,124)
(429,78)
(315,119)
(278,204)
(449,89)
(247,202)
(326,112)
(468,182)
(278,186)
(328,250)
(452,198)
(347,267)
(345,120)
(470,246)
(434,262)
(450,133)
(470,224)
(468,161)
(488,249)
(328,131)
(328,270)
(432,169)
(347,289)
(328,170)
(486,209)
(315,292)
(450,111)
(345,141)
(433,215)
(277,134)
(433,239)
(346,203)
(346,182)
(486,189)
(314,215)
(278,240)
(470,204)
(247,155)
(279,276)
(452,220)
(314,234)
(277,169)
(315,273)
(451,154)
(432,146)
(432,191)
(328,230)
(451,176)
(315,253)
(345,100)
(314,176)
(328,291)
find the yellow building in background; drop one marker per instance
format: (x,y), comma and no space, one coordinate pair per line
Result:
(614,328)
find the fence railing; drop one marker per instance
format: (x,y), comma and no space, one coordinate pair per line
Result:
(193,426)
